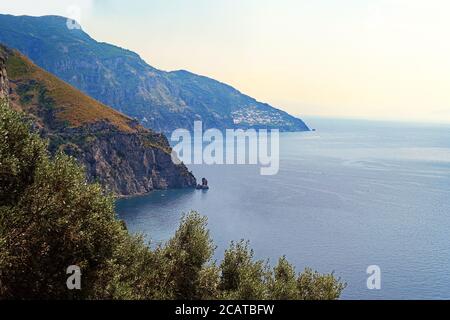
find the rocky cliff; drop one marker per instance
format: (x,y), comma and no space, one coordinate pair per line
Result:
(4,86)
(124,157)
(162,101)
(125,163)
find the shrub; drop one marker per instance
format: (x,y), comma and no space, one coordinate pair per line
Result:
(51,218)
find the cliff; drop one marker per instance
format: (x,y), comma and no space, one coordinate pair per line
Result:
(4,86)
(126,163)
(123,156)
(162,101)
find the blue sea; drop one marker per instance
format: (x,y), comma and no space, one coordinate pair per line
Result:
(349,195)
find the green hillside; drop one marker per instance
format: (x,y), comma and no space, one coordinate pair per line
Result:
(160,100)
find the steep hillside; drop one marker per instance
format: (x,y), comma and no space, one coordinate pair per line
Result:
(119,78)
(118,152)
(4,85)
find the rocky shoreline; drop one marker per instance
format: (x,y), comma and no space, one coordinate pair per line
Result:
(116,151)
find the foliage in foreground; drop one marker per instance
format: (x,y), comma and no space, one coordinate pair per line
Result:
(51,218)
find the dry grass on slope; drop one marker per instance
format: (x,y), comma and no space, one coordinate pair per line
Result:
(70,105)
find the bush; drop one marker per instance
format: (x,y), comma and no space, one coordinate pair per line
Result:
(189,252)
(51,218)
(241,276)
(284,283)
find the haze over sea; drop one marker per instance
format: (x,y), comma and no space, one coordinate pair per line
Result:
(352,194)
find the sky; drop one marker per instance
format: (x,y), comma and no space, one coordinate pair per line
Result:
(373,59)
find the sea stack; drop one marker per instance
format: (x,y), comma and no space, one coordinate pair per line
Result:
(204,185)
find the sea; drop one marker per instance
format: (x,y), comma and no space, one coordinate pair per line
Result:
(349,195)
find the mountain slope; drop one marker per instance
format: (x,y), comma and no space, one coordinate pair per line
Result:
(117,77)
(4,82)
(118,152)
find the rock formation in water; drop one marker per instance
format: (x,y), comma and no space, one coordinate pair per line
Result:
(204,185)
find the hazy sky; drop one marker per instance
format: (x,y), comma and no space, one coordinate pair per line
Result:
(384,59)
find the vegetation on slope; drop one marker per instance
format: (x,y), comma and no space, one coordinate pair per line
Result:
(124,157)
(162,101)
(51,218)
(34,87)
